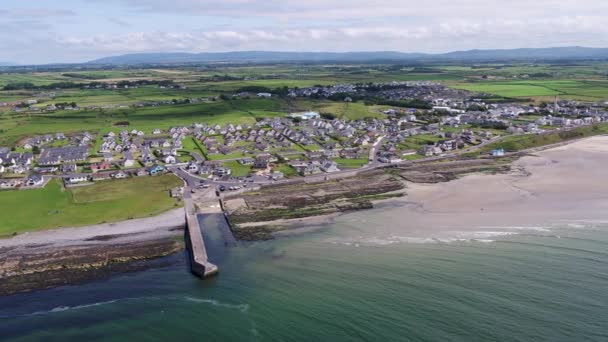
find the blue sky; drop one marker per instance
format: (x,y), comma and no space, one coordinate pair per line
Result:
(45,31)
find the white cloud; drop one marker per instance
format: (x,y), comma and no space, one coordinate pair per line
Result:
(296,25)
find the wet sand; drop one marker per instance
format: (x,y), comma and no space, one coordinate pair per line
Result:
(564,186)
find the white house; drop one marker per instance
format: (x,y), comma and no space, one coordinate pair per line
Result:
(169,159)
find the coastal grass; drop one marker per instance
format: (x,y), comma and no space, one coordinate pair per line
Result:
(106,201)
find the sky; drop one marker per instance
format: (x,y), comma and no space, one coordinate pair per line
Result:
(66,31)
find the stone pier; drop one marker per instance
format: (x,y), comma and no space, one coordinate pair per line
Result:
(201,266)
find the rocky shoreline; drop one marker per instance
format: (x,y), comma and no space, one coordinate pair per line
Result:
(261,214)
(47,259)
(40,267)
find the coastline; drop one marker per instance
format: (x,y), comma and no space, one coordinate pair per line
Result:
(563,184)
(50,258)
(558,185)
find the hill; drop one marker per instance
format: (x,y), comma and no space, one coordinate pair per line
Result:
(558,53)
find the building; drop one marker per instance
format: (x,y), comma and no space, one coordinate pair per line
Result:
(306,115)
(34,180)
(155,169)
(78,178)
(498,152)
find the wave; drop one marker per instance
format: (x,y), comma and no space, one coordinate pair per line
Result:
(240,307)
(59,309)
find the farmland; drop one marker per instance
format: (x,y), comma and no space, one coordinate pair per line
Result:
(585,90)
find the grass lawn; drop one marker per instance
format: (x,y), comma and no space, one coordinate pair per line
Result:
(418,141)
(107,201)
(288,171)
(238,170)
(351,163)
(189,145)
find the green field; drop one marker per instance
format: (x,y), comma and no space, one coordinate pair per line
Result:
(107,201)
(586,90)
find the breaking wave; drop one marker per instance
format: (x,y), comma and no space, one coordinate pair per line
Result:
(240,307)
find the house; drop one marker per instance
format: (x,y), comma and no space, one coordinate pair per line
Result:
(52,156)
(192,167)
(155,169)
(498,152)
(77,178)
(127,159)
(306,115)
(246,161)
(222,171)
(100,166)
(34,180)
(169,159)
(429,151)
(68,168)
(329,166)
(141,172)
(262,161)
(119,175)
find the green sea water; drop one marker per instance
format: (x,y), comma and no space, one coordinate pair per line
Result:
(345,282)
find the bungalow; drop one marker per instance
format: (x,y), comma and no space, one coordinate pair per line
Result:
(119,175)
(35,180)
(141,172)
(79,178)
(155,169)
(100,166)
(10,183)
(246,161)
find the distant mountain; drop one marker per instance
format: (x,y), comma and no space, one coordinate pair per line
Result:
(5,64)
(253,56)
(558,53)
(573,52)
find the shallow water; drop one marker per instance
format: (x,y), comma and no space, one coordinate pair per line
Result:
(354,279)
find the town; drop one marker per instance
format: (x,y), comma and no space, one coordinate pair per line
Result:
(445,122)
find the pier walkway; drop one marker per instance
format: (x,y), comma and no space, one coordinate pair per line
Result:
(201,266)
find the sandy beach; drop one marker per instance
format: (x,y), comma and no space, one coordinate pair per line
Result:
(564,186)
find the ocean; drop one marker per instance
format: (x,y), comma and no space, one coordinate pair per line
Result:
(351,279)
